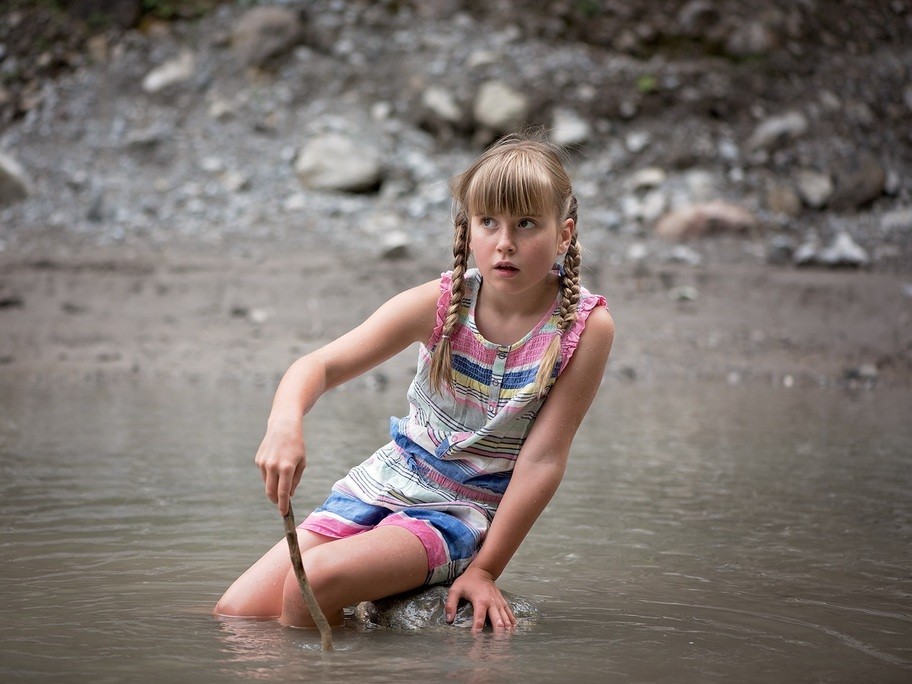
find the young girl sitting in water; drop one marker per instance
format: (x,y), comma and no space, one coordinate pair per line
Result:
(512,353)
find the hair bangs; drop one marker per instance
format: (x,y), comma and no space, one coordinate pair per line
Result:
(514,184)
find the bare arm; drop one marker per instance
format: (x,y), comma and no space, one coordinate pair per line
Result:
(538,472)
(405,319)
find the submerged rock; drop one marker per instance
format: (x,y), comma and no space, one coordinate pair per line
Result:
(424,608)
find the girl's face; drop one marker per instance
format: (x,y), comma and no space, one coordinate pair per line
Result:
(516,253)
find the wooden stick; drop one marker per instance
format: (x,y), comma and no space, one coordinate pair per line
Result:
(291,536)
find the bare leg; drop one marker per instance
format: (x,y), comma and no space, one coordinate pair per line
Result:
(384,561)
(258,592)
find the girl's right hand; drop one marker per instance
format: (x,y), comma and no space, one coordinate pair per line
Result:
(281,460)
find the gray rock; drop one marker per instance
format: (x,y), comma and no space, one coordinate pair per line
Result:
(500,108)
(814,188)
(395,245)
(860,179)
(751,38)
(782,199)
(843,251)
(806,254)
(777,129)
(264,33)
(569,129)
(441,104)
(424,609)
(174,71)
(780,251)
(14,185)
(337,162)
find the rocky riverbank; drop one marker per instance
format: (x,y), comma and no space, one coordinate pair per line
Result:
(207,196)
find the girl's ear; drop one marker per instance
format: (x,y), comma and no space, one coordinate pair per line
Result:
(566,234)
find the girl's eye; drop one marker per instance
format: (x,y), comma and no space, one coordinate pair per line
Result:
(487,221)
(527,223)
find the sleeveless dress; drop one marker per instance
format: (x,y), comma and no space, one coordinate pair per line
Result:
(449,461)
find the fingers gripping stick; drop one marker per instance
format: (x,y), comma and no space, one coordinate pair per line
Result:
(291,536)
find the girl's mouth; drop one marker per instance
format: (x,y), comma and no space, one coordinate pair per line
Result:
(505,268)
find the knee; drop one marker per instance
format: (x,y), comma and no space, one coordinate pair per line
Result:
(324,575)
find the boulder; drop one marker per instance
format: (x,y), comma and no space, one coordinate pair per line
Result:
(337,162)
(424,608)
(697,220)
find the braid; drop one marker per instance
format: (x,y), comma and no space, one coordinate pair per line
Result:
(570,285)
(570,296)
(441,363)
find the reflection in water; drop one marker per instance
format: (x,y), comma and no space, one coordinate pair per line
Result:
(706,533)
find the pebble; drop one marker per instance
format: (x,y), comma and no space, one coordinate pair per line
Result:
(14,184)
(174,71)
(843,251)
(499,107)
(777,130)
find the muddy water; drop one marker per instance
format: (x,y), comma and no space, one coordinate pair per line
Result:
(702,533)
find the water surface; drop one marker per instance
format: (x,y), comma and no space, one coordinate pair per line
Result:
(702,533)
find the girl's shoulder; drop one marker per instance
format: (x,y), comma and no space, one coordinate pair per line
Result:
(591,306)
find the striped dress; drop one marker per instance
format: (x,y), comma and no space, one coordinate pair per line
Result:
(450,460)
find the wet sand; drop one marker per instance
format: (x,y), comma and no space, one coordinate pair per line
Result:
(235,315)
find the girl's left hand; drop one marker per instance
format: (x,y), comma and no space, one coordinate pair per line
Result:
(488,603)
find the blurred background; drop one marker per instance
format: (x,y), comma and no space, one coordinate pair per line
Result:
(770,140)
(193,194)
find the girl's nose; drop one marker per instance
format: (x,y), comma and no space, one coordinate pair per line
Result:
(505,242)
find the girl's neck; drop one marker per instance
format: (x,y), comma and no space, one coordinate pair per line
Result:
(506,319)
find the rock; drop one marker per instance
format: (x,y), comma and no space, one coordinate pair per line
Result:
(569,129)
(683,293)
(814,188)
(843,251)
(441,104)
(395,245)
(337,162)
(14,185)
(751,38)
(697,220)
(896,221)
(644,179)
(777,129)
(780,251)
(637,141)
(264,33)
(782,199)
(424,609)
(174,71)
(860,179)
(806,254)
(864,376)
(500,108)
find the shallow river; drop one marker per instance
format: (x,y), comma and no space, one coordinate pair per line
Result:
(702,533)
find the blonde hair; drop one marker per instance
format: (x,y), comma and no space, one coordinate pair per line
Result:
(517,175)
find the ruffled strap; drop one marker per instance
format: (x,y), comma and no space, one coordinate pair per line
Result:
(443,305)
(570,339)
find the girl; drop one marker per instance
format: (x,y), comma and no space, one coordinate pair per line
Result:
(512,353)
